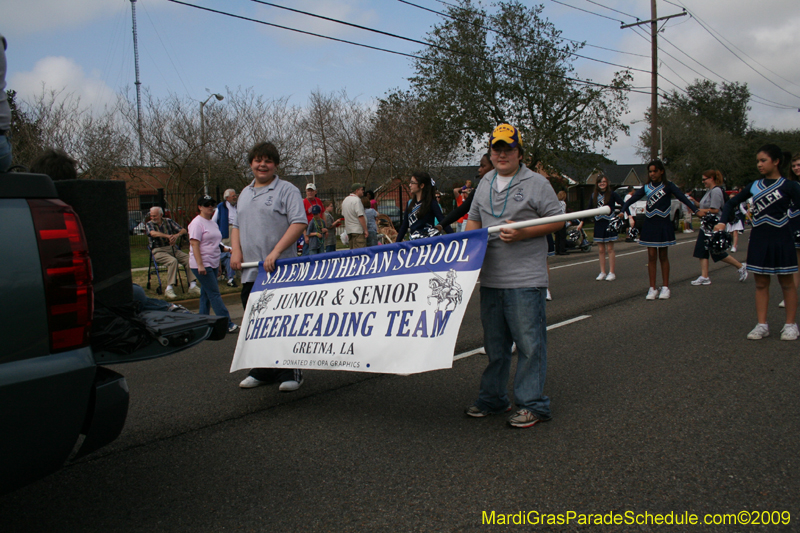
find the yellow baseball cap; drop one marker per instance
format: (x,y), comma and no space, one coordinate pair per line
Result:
(506,133)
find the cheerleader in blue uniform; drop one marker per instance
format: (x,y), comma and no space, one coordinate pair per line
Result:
(794,219)
(657,231)
(603,195)
(771,250)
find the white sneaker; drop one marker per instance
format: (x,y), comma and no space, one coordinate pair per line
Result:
(549,298)
(664,294)
(688,231)
(601,276)
(733,248)
(194,291)
(702,281)
(513,347)
(249,382)
(759,332)
(611,277)
(742,272)
(291,385)
(789,332)
(782,304)
(169,293)
(651,294)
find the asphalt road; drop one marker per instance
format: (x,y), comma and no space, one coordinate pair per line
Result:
(659,407)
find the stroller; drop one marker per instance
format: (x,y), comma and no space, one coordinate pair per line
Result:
(577,239)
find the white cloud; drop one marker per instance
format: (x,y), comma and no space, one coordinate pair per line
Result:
(62,74)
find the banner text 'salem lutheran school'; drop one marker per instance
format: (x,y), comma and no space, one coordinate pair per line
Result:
(393,308)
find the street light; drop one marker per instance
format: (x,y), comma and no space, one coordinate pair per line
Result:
(219,97)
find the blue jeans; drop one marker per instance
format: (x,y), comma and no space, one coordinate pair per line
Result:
(5,152)
(225,262)
(330,248)
(514,315)
(148,304)
(209,294)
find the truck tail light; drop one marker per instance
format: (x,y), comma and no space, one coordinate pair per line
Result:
(67,272)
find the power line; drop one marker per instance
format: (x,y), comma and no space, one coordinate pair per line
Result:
(564,38)
(304,32)
(587,11)
(703,25)
(482,26)
(612,9)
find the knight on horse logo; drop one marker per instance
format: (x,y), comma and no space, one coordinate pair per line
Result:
(261,304)
(445,290)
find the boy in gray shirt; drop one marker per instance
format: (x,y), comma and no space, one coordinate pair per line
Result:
(513,281)
(269,219)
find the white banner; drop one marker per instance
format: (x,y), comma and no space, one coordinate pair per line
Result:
(394,308)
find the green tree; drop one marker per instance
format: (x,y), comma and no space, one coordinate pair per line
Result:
(724,106)
(512,66)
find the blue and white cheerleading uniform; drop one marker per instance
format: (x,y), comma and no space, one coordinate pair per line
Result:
(794,222)
(601,233)
(657,230)
(771,249)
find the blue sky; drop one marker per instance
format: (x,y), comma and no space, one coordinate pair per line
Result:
(85,47)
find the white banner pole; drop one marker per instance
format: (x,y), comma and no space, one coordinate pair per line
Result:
(605,210)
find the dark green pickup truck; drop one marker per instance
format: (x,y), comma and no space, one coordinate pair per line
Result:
(56,402)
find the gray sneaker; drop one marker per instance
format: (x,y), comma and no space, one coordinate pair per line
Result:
(476,412)
(523,419)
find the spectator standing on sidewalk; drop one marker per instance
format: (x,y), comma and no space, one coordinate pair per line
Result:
(372,222)
(205,238)
(513,282)
(331,224)
(270,218)
(224,215)
(310,201)
(355,221)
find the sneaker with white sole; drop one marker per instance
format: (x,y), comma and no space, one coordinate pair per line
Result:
(759,332)
(523,419)
(782,304)
(651,294)
(169,293)
(611,277)
(702,281)
(789,332)
(664,294)
(476,412)
(733,248)
(548,297)
(194,291)
(601,276)
(291,385)
(250,382)
(742,272)
(233,328)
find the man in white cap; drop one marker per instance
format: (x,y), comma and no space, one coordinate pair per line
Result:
(513,281)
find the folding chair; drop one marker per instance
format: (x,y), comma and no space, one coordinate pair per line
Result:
(155,267)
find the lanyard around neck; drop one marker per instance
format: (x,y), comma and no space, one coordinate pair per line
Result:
(508,190)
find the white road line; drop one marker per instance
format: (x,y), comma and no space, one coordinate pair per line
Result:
(618,255)
(554,326)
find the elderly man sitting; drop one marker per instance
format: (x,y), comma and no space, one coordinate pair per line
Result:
(164,234)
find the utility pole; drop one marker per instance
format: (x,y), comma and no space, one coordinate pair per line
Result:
(654,151)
